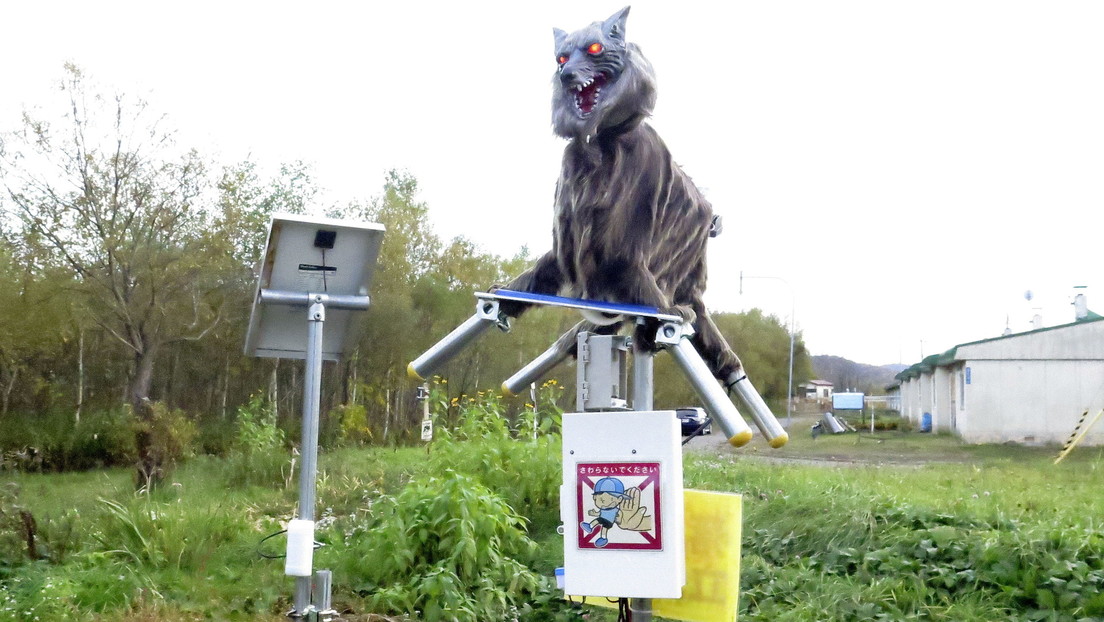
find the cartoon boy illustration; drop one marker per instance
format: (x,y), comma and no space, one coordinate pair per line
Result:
(616,506)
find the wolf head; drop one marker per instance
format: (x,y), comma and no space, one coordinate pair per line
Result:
(602,82)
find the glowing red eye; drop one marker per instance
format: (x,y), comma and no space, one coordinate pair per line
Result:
(561,60)
(595,48)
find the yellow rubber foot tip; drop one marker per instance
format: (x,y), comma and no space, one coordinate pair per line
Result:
(779,440)
(413,374)
(741,439)
(507,392)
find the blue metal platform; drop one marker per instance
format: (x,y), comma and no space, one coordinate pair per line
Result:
(614,308)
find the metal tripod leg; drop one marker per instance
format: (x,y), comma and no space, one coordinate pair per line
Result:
(764,419)
(486,315)
(539,366)
(675,337)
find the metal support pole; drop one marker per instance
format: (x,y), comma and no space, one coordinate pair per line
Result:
(323,590)
(308,464)
(643,394)
(641,609)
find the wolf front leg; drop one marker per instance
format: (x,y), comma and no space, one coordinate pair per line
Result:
(543,277)
(709,342)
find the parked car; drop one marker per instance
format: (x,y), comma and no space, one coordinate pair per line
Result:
(691,419)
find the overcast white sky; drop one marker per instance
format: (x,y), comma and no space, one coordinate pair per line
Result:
(909,168)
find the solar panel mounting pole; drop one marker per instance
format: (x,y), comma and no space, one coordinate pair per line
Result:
(321,266)
(308,469)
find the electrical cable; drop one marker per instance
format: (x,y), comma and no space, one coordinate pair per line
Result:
(698,432)
(265,539)
(624,613)
(260,553)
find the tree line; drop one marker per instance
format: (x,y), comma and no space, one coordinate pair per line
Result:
(127,271)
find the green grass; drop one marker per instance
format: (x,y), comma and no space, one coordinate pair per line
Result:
(964,533)
(909,526)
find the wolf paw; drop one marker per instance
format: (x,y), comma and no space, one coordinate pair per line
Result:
(683,311)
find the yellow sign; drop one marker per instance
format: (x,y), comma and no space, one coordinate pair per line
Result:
(713,530)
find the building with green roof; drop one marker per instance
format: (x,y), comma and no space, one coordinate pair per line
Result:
(1030,387)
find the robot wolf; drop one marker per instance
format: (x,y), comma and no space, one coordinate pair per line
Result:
(630,226)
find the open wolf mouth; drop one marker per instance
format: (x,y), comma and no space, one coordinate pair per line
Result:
(587,94)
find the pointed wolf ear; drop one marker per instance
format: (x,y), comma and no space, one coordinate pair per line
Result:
(560,36)
(615,25)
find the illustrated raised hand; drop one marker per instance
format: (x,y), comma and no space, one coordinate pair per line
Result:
(633,516)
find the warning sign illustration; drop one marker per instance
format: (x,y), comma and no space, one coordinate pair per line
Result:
(618,505)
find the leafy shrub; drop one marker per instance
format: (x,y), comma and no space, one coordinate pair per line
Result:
(352,424)
(482,418)
(217,436)
(259,456)
(257,429)
(54,442)
(170,439)
(13,536)
(25,537)
(526,474)
(443,549)
(523,471)
(544,417)
(888,421)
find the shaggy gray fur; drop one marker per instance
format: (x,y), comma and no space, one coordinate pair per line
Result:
(630,226)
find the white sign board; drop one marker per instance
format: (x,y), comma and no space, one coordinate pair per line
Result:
(622,506)
(847,401)
(311,256)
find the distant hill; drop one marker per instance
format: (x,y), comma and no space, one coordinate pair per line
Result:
(845,374)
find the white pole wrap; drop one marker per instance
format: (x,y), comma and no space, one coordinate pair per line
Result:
(300,548)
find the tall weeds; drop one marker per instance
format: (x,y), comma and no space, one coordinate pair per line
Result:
(443,549)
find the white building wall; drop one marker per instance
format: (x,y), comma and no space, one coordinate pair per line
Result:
(957,394)
(924,399)
(906,399)
(1030,401)
(914,400)
(1073,342)
(941,399)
